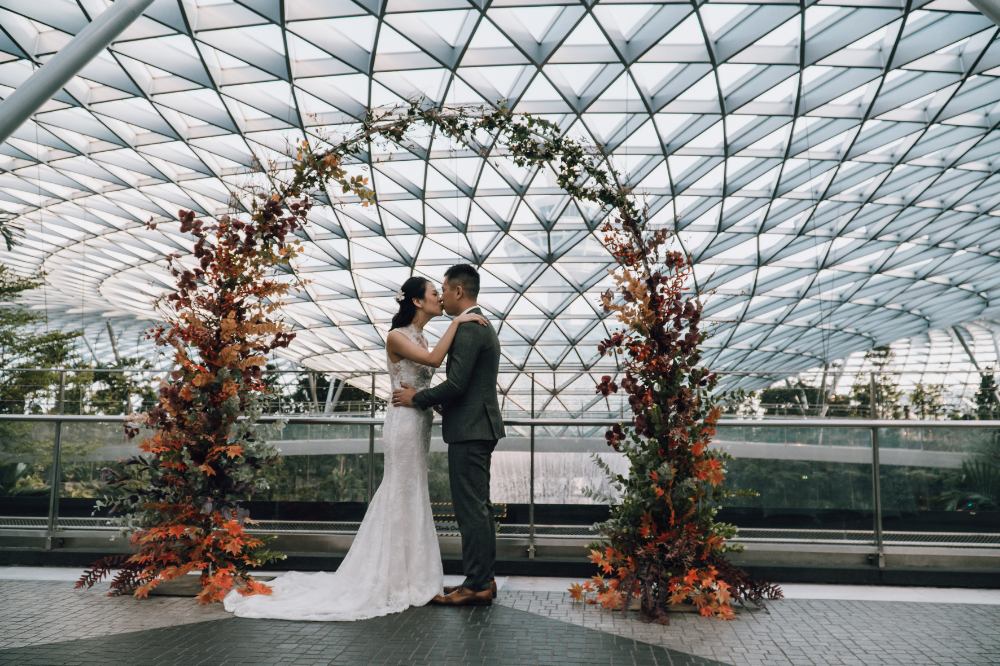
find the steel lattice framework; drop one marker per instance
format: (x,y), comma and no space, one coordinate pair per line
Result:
(831,166)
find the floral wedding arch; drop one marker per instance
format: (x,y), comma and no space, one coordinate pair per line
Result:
(180,503)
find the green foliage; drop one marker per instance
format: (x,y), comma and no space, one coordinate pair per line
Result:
(926,402)
(23,344)
(977,486)
(341,478)
(800,484)
(17,479)
(887,392)
(25,449)
(8,231)
(987,406)
(797,399)
(116,392)
(320,478)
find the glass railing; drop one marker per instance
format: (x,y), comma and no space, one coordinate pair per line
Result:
(872,482)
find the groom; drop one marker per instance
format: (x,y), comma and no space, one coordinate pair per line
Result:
(472,426)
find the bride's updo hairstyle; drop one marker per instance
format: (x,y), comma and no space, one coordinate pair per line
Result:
(415,287)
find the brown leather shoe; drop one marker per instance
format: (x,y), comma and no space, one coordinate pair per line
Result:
(463,596)
(448,589)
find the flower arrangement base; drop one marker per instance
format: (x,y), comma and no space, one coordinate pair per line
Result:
(189,586)
(672,608)
(682,608)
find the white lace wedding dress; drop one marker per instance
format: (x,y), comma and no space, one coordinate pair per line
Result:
(394,562)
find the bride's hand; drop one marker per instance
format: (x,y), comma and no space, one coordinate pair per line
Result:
(471,316)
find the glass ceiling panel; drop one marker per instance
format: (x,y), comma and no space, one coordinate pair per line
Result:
(832,172)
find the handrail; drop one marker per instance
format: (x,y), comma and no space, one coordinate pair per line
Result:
(120,418)
(353,374)
(775,423)
(349,373)
(293,419)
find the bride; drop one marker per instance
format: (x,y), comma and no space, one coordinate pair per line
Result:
(394,562)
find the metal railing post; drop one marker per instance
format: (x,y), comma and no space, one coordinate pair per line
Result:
(371,446)
(128,396)
(54,490)
(56,465)
(61,406)
(877,497)
(876,480)
(312,391)
(873,406)
(531,478)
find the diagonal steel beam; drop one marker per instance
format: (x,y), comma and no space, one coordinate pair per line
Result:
(989,8)
(64,65)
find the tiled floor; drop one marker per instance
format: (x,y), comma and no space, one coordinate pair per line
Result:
(823,632)
(430,635)
(35,612)
(44,621)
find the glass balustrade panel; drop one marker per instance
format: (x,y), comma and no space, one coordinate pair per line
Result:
(798,478)
(86,450)
(940,480)
(25,472)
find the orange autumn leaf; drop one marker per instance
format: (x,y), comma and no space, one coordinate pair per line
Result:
(177,531)
(255,587)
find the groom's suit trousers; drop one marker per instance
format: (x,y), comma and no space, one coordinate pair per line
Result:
(469,470)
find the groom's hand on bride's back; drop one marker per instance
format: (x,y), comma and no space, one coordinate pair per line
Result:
(403,397)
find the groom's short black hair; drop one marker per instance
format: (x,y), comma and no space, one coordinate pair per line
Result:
(464,276)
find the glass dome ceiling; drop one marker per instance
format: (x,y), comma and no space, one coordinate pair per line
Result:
(829,166)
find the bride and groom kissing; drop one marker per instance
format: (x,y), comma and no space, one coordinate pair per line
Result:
(394,561)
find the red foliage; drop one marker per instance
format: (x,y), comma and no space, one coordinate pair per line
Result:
(182,499)
(662,544)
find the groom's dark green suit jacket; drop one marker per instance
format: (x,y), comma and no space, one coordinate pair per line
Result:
(468,396)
